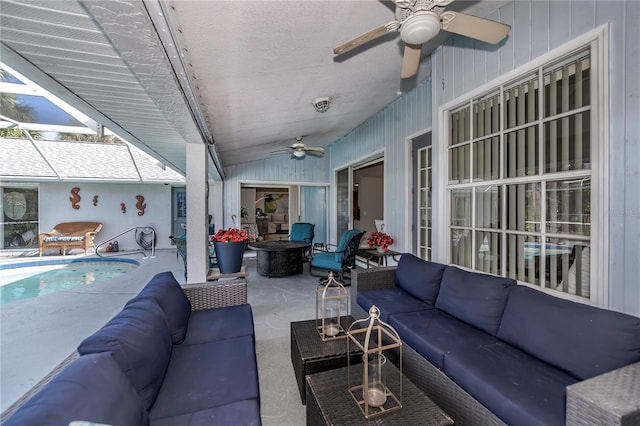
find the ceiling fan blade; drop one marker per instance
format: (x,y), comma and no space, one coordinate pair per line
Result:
(363,38)
(410,60)
(472,26)
(314,148)
(316,153)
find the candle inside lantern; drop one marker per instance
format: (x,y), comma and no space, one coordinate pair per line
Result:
(375,392)
(331,330)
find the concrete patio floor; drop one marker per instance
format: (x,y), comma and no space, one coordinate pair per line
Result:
(37,334)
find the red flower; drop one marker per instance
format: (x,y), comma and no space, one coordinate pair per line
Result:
(231,235)
(380,239)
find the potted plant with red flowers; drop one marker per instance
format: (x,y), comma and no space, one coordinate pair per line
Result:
(230,245)
(380,241)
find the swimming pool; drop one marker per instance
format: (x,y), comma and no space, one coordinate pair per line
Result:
(31,279)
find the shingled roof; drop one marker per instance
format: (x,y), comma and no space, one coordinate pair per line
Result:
(23,159)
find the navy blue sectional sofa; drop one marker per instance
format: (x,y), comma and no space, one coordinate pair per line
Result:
(158,362)
(489,351)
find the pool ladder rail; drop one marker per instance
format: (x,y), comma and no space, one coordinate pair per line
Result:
(144,230)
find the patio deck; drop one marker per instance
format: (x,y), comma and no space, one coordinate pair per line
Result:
(36,334)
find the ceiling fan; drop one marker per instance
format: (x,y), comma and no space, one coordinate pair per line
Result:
(418,21)
(299,150)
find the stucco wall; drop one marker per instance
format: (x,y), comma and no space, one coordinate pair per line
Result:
(55,207)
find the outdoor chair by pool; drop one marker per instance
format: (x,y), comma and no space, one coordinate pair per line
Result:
(181,244)
(340,260)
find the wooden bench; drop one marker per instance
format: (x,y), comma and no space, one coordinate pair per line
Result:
(69,235)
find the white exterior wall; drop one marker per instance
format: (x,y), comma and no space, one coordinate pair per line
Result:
(55,207)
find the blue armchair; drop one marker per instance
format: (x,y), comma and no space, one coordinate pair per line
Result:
(340,260)
(303,231)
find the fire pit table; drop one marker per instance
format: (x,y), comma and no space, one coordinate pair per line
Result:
(279,258)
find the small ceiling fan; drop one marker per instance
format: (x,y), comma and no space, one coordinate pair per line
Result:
(299,150)
(418,21)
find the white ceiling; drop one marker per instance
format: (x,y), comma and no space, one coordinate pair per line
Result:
(253,67)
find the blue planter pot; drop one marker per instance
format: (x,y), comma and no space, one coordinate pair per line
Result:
(229,256)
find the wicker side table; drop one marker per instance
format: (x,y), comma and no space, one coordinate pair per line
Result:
(309,354)
(612,398)
(330,403)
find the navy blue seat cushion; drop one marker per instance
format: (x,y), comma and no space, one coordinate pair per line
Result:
(92,388)
(516,387)
(390,301)
(140,341)
(246,413)
(434,333)
(166,291)
(584,340)
(209,325)
(477,299)
(208,375)
(419,277)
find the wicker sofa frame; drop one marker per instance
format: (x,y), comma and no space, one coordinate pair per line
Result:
(80,234)
(202,296)
(611,398)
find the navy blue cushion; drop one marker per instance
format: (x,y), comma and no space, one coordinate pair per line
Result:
(516,387)
(140,341)
(208,375)
(477,299)
(92,388)
(584,340)
(390,301)
(434,333)
(419,277)
(209,325)
(166,291)
(245,413)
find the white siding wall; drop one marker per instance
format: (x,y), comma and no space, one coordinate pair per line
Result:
(538,27)
(55,208)
(388,131)
(279,169)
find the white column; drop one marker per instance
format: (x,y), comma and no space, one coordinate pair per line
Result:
(197,226)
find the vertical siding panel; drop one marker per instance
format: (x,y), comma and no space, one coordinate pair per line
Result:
(582,17)
(480,62)
(468,64)
(632,154)
(539,28)
(559,23)
(522,31)
(492,58)
(620,264)
(506,51)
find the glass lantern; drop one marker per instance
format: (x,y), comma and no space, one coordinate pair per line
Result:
(376,389)
(332,308)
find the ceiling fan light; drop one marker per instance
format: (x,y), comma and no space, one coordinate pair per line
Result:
(420,28)
(298,153)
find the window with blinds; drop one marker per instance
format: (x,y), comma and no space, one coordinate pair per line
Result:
(519,178)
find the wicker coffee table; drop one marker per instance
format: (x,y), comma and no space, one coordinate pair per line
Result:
(330,403)
(309,354)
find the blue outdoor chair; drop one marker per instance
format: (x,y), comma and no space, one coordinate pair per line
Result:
(342,259)
(303,231)
(181,244)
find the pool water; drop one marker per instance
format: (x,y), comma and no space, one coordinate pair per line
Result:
(19,282)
